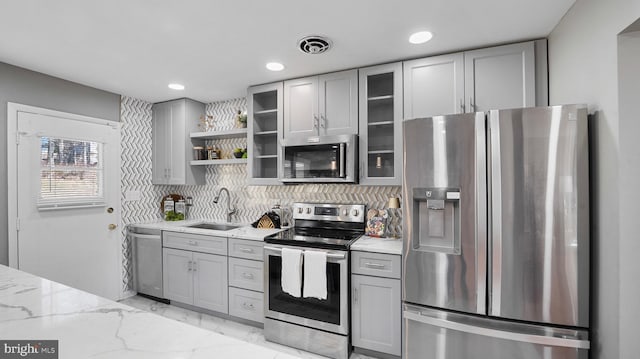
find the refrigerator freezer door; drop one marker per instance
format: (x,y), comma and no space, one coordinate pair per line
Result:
(444,197)
(539,215)
(433,333)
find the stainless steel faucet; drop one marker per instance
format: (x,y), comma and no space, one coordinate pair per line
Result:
(231,210)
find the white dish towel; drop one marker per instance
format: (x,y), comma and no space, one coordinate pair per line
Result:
(315,274)
(291,276)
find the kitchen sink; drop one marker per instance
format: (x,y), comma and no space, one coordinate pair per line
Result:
(214,226)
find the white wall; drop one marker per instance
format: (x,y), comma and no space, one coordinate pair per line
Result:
(629,94)
(583,69)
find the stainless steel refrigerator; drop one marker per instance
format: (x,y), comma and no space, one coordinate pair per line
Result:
(496,235)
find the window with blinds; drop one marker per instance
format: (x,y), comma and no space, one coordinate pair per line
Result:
(71,173)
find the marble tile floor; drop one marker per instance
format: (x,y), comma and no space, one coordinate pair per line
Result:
(222,326)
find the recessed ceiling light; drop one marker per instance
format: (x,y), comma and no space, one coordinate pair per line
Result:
(420,37)
(176,87)
(275,66)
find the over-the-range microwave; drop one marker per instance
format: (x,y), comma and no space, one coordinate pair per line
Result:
(323,159)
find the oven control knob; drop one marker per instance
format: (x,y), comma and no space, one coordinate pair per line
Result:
(308,210)
(300,210)
(345,212)
(355,213)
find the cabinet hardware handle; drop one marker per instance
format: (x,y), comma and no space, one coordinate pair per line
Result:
(247,275)
(316,121)
(374,265)
(247,306)
(193,243)
(195,266)
(355,295)
(324,121)
(189,267)
(462,105)
(246,250)
(472,105)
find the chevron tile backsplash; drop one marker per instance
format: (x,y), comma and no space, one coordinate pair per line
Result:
(251,201)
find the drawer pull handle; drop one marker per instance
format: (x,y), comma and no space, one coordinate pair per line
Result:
(248,306)
(246,250)
(247,275)
(375,265)
(193,243)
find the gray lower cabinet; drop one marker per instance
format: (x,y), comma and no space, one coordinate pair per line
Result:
(210,282)
(246,304)
(246,279)
(376,303)
(216,273)
(195,270)
(198,279)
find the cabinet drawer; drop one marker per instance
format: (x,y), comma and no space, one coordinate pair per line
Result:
(246,304)
(377,264)
(246,274)
(243,248)
(195,242)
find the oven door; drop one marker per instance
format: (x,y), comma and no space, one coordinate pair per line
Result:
(320,159)
(330,315)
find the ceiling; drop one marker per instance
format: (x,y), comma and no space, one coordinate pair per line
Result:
(218,48)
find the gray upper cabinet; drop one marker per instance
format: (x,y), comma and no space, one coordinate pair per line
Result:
(381,125)
(173,121)
(301,107)
(321,105)
(264,133)
(434,86)
(500,77)
(508,76)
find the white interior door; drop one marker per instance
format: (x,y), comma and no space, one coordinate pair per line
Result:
(68,201)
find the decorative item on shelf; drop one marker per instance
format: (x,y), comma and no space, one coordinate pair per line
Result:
(394,205)
(199,153)
(206,123)
(240,152)
(211,153)
(268,220)
(376,222)
(241,119)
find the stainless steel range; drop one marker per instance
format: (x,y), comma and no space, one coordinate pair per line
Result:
(316,325)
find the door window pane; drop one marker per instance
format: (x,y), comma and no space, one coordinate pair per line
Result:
(70,171)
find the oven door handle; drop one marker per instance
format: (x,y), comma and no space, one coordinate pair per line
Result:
(329,255)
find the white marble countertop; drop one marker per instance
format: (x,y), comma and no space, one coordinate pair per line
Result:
(245,231)
(378,245)
(88,326)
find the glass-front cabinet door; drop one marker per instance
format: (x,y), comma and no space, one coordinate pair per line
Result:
(381,125)
(264,131)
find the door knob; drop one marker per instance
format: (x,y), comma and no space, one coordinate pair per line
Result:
(112,226)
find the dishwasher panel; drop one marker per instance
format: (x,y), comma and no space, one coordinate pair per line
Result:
(147,261)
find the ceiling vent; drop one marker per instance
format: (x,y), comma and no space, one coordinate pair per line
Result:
(314,44)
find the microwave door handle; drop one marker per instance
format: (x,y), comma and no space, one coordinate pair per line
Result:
(342,148)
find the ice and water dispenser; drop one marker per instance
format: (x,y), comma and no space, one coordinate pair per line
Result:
(436,220)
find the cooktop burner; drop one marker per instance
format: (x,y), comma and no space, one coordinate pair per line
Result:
(321,225)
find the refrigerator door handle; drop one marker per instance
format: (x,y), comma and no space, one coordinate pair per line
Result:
(500,334)
(495,219)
